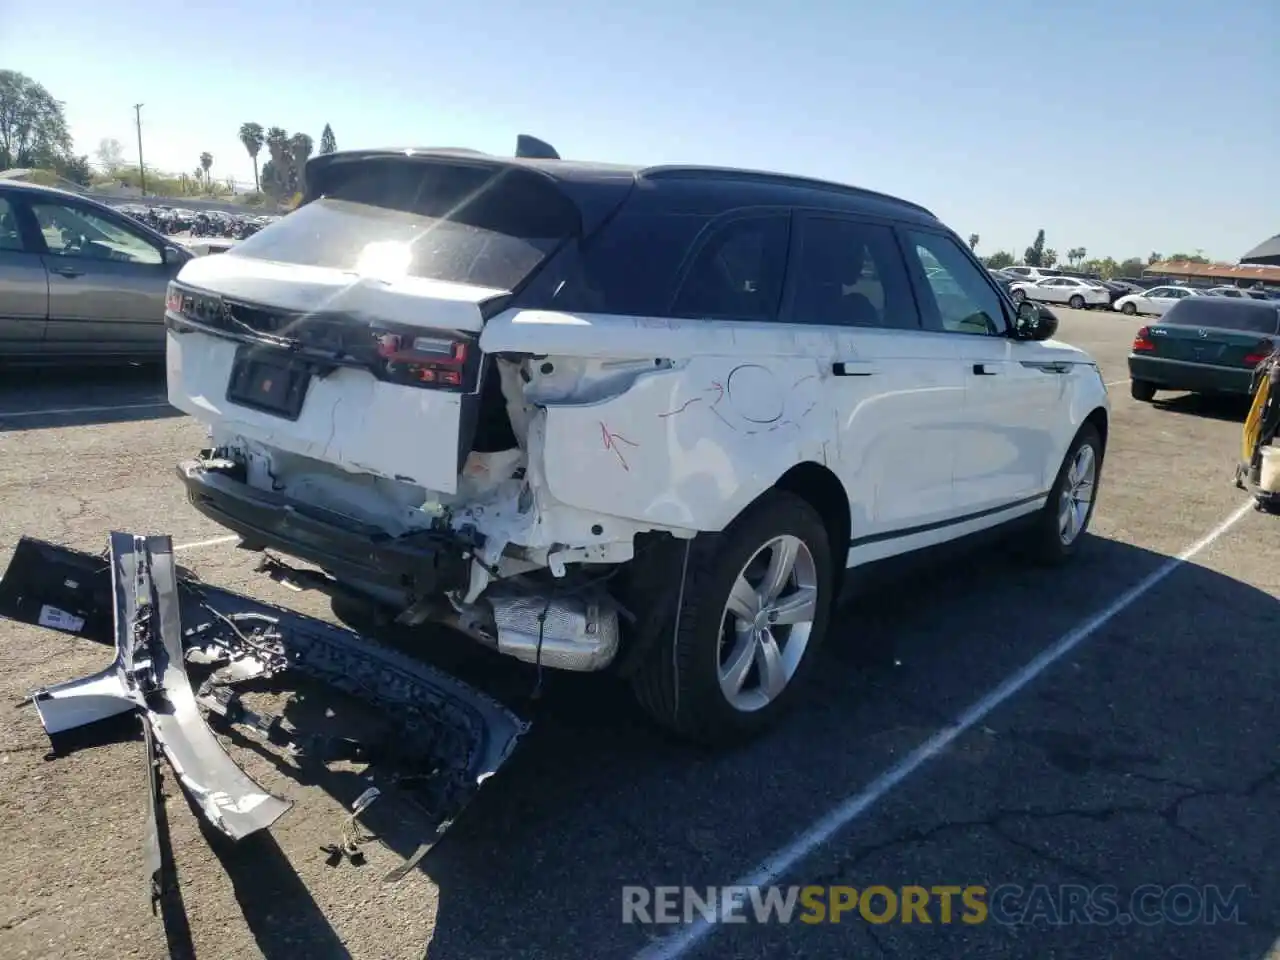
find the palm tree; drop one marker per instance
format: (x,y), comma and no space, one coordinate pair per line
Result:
(277,141)
(206,162)
(973,241)
(300,147)
(251,136)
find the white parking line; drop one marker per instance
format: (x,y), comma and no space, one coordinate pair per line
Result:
(783,859)
(1116,383)
(206,543)
(58,411)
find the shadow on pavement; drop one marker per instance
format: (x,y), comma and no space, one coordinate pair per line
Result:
(280,912)
(1229,408)
(74,396)
(595,799)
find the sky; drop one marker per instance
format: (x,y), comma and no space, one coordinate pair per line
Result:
(1123,127)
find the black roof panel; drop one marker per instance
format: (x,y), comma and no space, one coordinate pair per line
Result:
(709,189)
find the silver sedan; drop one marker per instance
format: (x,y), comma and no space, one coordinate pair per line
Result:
(79,280)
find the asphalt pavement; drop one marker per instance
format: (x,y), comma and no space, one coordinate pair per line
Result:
(1043,735)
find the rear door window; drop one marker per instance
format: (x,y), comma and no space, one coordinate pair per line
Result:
(737,271)
(481,224)
(629,267)
(851,273)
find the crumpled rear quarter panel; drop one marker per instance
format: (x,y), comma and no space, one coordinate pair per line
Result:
(689,446)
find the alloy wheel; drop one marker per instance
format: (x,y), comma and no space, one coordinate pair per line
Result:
(766,623)
(1077,494)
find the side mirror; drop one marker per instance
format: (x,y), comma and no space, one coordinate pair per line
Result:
(1034,322)
(175,256)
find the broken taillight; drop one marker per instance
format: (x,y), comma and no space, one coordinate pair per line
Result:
(1142,340)
(424,360)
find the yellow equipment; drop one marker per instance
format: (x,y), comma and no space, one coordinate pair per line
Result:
(1260,430)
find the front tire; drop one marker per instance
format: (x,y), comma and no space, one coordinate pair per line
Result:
(1064,519)
(1142,390)
(757,600)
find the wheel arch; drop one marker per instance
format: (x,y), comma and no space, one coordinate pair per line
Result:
(818,486)
(1100,421)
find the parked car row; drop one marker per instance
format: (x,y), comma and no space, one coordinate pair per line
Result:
(1047,285)
(198,223)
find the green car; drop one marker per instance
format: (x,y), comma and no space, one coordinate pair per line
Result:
(1204,345)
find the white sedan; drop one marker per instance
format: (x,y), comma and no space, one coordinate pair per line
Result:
(1154,301)
(1072,291)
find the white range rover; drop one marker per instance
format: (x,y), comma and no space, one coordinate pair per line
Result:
(601,417)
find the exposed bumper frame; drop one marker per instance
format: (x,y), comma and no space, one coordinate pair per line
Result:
(421,564)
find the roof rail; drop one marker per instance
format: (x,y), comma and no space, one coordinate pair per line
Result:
(757,176)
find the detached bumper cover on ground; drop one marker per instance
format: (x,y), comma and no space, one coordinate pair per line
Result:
(441,735)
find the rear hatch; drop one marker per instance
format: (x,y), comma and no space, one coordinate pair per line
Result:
(1220,331)
(348,331)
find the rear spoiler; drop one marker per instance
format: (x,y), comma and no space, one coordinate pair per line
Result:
(528,147)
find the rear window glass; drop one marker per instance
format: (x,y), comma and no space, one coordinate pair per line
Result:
(629,267)
(1224,313)
(738,271)
(483,225)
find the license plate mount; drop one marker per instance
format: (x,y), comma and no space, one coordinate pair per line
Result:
(270,384)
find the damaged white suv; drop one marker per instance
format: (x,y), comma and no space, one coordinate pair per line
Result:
(602,417)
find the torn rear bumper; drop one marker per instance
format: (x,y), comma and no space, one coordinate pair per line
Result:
(421,564)
(440,735)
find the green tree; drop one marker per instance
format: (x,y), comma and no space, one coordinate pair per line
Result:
(300,147)
(328,143)
(973,241)
(999,259)
(1196,257)
(110,154)
(206,164)
(1105,268)
(1155,258)
(1049,257)
(33,127)
(275,174)
(251,136)
(73,168)
(1035,252)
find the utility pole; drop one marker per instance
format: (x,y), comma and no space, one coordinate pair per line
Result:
(142,170)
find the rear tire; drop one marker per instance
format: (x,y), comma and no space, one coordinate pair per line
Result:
(686,681)
(1064,519)
(1142,390)
(1018,296)
(1129,309)
(1076,302)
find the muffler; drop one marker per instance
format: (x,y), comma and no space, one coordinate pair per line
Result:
(563,633)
